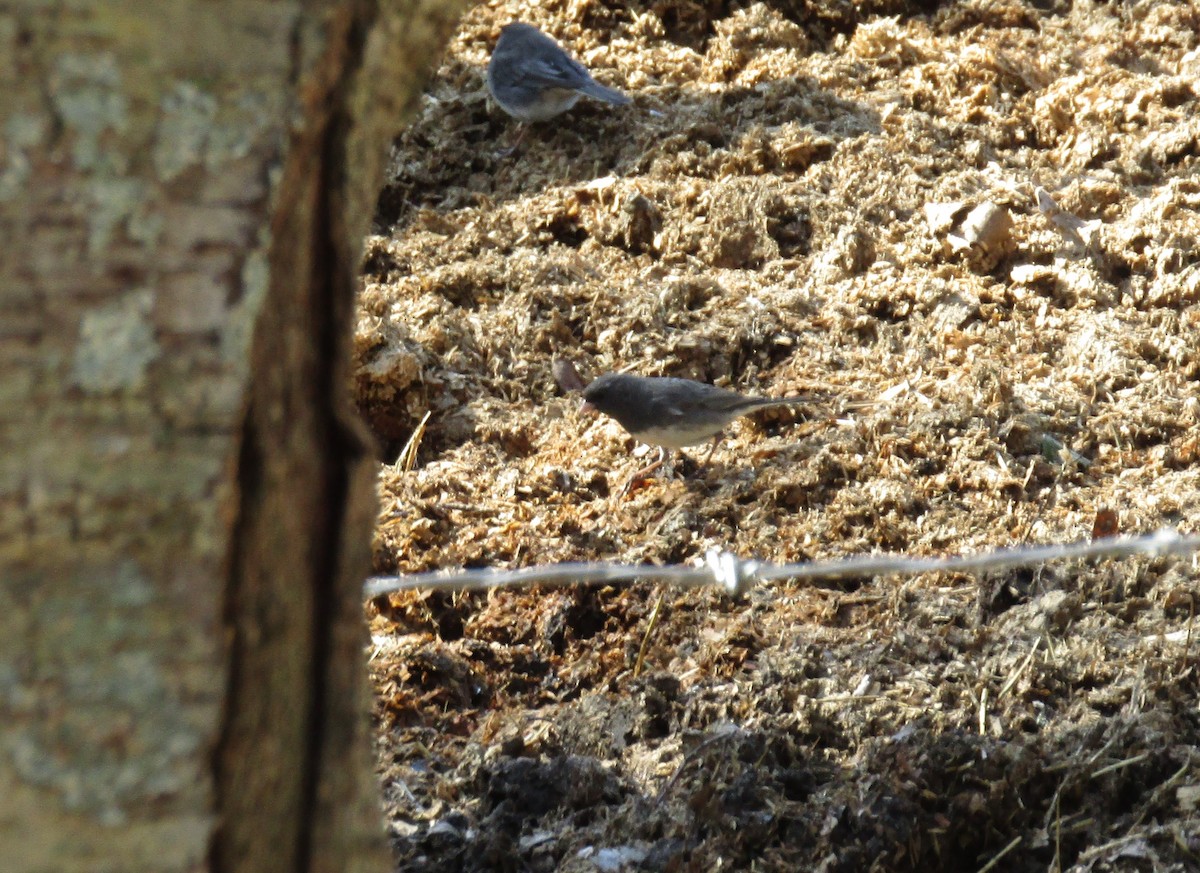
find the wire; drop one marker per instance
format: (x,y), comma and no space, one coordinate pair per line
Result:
(737,576)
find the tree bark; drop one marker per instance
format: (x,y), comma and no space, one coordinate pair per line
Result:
(186,495)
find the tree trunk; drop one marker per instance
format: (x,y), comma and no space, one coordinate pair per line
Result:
(186,495)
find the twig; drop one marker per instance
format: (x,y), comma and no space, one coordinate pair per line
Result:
(1016,841)
(650,626)
(1136,759)
(408,455)
(723,732)
(1012,680)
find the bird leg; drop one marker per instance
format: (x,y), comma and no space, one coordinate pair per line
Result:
(641,474)
(509,151)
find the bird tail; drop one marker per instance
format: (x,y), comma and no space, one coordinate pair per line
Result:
(599,92)
(771,402)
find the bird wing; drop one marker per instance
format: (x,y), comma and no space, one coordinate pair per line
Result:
(711,399)
(555,71)
(674,411)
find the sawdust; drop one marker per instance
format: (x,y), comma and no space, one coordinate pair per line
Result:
(969,233)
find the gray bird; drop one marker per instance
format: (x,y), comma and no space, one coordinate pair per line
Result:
(670,413)
(533,79)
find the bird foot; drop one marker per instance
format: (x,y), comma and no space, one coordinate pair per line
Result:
(641,477)
(634,483)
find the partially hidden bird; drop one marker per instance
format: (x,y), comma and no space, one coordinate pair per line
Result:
(532,78)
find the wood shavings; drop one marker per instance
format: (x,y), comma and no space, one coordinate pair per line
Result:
(983,219)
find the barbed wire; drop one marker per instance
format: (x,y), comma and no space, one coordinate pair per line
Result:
(737,575)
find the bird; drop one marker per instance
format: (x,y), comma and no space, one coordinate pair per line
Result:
(669,412)
(532,78)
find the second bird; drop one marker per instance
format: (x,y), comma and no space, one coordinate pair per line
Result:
(533,79)
(671,413)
